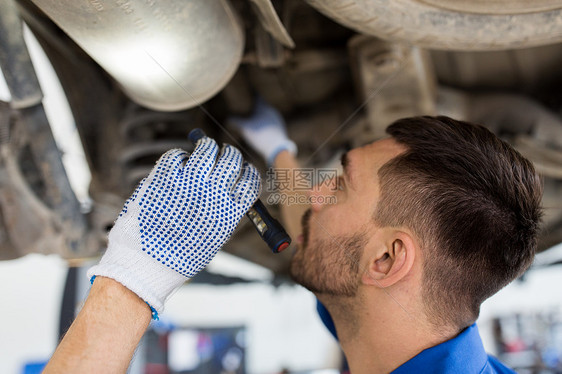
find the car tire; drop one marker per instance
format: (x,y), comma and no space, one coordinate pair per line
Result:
(452,25)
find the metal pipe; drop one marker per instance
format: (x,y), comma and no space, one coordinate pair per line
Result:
(14,59)
(26,98)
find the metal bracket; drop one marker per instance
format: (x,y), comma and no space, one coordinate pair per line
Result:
(270,21)
(395,80)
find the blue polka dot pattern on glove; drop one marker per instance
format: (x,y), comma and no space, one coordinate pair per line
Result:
(189,206)
(177,219)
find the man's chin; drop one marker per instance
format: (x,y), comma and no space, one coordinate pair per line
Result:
(298,275)
(296,267)
(305,284)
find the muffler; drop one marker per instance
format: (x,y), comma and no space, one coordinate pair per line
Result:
(166,55)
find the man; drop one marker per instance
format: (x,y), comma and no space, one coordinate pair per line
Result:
(428,224)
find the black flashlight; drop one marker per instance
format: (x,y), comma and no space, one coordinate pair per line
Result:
(270,230)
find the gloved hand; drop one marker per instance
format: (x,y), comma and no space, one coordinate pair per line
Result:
(265,131)
(177,219)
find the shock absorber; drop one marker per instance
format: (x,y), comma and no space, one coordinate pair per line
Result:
(144,136)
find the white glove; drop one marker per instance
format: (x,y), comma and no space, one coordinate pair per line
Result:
(177,219)
(265,131)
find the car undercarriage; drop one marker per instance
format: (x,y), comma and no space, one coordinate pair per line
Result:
(339,71)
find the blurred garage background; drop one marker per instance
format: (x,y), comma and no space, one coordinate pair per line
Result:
(243,315)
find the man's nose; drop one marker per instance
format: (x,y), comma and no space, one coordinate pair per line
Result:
(320,193)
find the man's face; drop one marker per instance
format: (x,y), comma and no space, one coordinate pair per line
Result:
(328,259)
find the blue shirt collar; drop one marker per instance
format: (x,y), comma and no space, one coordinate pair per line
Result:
(462,354)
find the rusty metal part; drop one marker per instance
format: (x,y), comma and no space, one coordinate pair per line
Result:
(27,223)
(24,87)
(269,52)
(270,21)
(394,80)
(15,61)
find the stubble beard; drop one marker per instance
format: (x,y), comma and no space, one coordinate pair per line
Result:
(328,266)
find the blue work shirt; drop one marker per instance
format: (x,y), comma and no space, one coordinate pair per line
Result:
(462,354)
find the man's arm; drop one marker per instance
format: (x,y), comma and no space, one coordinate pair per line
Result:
(106,332)
(265,131)
(170,228)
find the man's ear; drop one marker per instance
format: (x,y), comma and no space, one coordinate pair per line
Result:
(392,260)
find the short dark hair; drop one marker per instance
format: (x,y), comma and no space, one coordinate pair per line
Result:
(471,200)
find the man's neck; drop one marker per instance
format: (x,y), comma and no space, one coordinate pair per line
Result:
(379,337)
